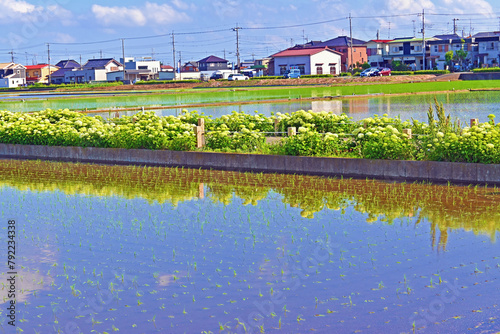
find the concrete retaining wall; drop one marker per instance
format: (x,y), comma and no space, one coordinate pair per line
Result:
(480,76)
(358,168)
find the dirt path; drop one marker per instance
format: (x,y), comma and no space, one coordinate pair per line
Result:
(274,82)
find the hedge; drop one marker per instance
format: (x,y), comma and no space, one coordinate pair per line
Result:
(432,72)
(267,77)
(161,82)
(317,76)
(488,69)
(402,72)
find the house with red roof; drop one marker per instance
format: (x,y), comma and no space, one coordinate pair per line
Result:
(313,60)
(39,73)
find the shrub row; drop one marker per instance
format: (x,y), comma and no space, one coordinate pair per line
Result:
(489,69)
(319,134)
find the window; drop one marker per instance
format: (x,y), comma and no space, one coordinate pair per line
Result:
(435,48)
(319,69)
(333,69)
(302,69)
(418,48)
(212,64)
(395,49)
(282,69)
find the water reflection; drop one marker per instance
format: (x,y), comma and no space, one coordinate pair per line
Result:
(447,208)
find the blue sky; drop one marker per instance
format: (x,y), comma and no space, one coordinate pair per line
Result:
(202,28)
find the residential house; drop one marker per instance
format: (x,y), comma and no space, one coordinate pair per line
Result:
(350,56)
(39,73)
(488,49)
(166,73)
(147,67)
(377,51)
(212,64)
(12,75)
(261,66)
(445,43)
(93,70)
(57,77)
(409,51)
(190,67)
(312,60)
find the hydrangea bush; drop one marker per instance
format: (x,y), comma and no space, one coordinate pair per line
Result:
(319,134)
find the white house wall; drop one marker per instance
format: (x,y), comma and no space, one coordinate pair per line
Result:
(326,58)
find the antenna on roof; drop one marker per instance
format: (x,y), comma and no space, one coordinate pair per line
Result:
(378,34)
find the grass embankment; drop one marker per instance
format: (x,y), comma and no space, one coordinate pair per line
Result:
(319,134)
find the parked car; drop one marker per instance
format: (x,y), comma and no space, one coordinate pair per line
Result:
(384,71)
(370,72)
(216,76)
(236,76)
(292,74)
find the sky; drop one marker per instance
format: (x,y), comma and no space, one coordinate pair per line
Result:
(91,29)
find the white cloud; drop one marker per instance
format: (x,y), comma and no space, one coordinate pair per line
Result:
(16,10)
(150,13)
(464,6)
(16,7)
(408,6)
(118,15)
(183,6)
(65,16)
(164,14)
(64,38)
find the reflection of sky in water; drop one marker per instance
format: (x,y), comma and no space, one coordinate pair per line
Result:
(463,106)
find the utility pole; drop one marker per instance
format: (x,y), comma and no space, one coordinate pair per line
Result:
(173,54)
(123,54)
(389,34)
(414,31)
(180,71)
(351,63)
(100,54)
(455,26)
(26,54)
(48,58)
(237,29)
(80,61)
(12,55)
(423,38)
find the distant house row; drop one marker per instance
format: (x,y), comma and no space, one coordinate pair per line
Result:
(480,50)
(333,56)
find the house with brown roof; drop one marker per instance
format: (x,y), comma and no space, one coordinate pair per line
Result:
(12,75)
(313,60)
(351,56)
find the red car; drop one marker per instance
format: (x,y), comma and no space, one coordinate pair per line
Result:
(384,71)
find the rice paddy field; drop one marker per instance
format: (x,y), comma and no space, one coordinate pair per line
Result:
(103,249)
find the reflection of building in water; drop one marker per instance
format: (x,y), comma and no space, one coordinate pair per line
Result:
(358,106)
(334,106)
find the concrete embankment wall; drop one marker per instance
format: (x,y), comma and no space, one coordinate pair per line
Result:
(432,171)
(480,76)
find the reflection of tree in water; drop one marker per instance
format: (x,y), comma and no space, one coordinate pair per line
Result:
(446,207)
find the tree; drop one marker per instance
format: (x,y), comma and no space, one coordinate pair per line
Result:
(460,55)
(449,57)
(399,66)
(365,66)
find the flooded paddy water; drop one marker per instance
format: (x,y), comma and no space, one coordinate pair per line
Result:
(159,250)
(464,106)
